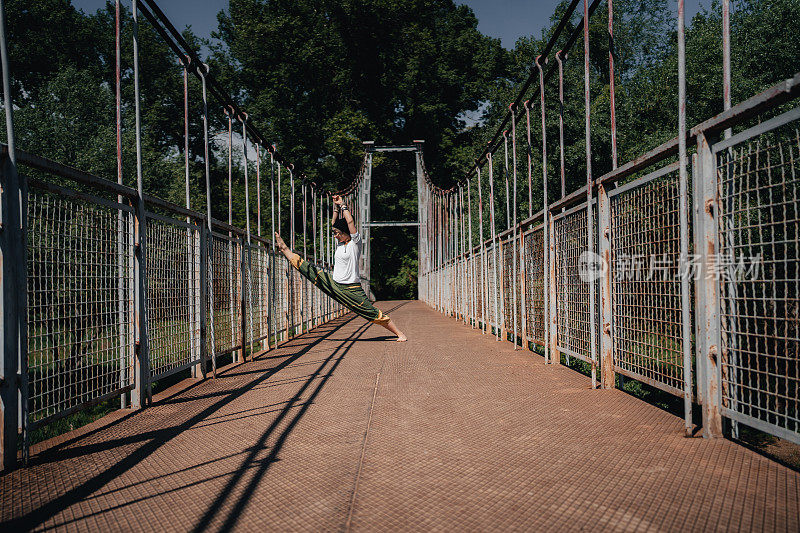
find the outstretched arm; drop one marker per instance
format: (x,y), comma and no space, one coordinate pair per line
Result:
(351,224)
(336,208)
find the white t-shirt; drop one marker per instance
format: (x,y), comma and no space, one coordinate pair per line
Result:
(345,266)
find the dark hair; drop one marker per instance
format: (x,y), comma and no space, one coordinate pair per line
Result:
(341,225)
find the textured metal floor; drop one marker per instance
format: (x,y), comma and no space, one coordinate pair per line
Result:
(345,430)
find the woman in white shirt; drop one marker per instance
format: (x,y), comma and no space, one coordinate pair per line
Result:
(344,285)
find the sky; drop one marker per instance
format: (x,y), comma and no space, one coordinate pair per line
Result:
(506,19)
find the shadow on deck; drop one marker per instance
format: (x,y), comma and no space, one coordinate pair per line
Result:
(451,430)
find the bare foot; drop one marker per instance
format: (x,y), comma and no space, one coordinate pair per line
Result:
(401,338)
(279,243)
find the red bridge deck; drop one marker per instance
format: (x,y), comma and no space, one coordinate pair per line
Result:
(341,430)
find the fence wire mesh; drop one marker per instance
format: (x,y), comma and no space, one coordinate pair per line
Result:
(572,292)
(759,236)
(224,264)
(533,261)
(508,280)
(173,294)
(646,278)
(80,302)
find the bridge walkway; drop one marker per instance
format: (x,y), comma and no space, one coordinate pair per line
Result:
(342,430)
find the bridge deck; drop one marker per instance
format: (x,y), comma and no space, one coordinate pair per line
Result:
(451,430)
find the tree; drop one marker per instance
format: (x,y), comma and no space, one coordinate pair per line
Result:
(322,76)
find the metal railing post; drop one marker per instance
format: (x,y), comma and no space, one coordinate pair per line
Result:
(203,295)
(554,357)
(13,363)
(141,391)
(606,312)
(708,290)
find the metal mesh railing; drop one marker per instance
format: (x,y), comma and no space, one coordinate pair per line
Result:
(533,260)
(80,312)
(173,294)
(646,303)
(507,278)
(572,293)
(759,239)
(224,275)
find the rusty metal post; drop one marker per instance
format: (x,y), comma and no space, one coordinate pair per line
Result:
(530,156)
(514,249)
(708,289)
(505,179)
(607,373)
(473,285)
(526,343)
(484,260)
(555,357)
(546,206)
(494,294)
(560,61)
(589,188)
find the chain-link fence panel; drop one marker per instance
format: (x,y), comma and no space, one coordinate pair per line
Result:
(173,294)
(759,241)
(80,313)
(225,267)
(646,280)
(533,260)
(572,289)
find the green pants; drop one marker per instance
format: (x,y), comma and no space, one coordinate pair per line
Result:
(351,296)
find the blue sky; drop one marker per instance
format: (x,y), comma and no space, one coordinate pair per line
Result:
(506,19)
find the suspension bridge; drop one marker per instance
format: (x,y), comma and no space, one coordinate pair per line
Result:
(678,270)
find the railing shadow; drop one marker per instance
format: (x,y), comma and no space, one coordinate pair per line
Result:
(154,440)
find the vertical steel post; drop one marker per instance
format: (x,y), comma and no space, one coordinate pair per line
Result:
(604,212)
(726,59)
(141,392)
(471,247)
(589,187)
(514,248)
(191,250)
(303,315)
(560,61)
(249,308)
(505,178)
(709,291)
(611,83)
(122,320)
(530,156)
(231,278)
(289,270)
(607,373)
(546,206)
(494,242)
(484,260)
(13,369)
(555,356)
(207,264)
(686,327)
(273,277)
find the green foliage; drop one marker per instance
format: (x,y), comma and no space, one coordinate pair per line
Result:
(323,76)
(320,76)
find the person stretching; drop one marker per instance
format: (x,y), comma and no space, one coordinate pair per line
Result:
(344,286)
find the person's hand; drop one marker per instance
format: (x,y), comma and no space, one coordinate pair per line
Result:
(337,200)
